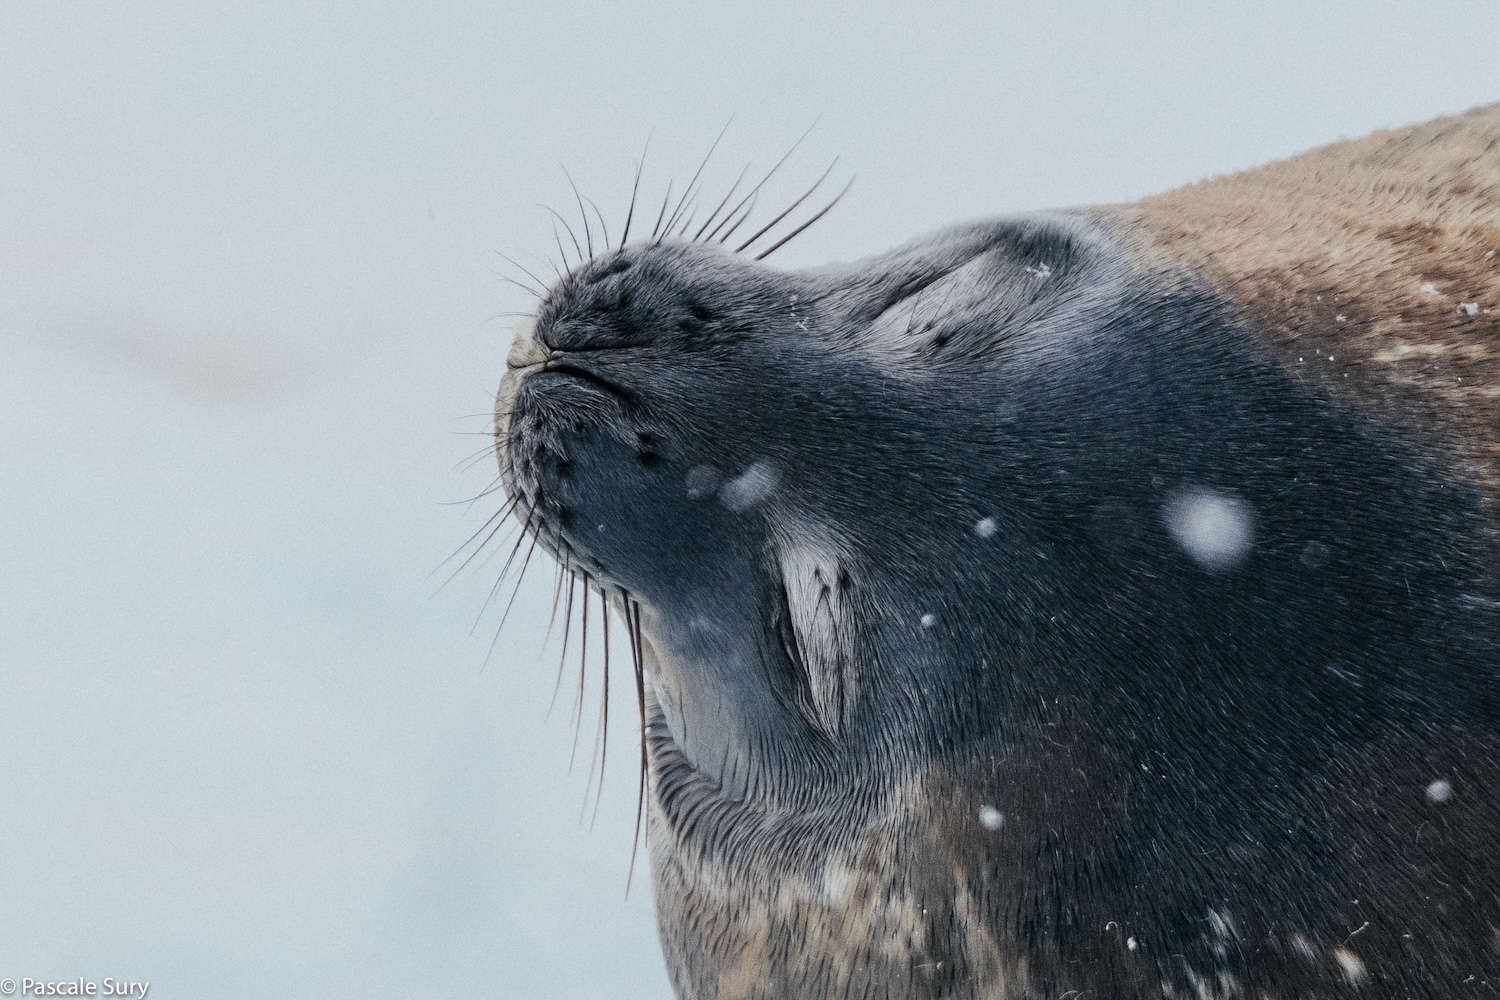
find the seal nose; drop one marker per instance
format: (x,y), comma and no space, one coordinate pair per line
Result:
(527,349)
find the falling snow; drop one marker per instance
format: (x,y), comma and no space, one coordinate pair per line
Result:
(1214,528)
(986,527)
(991,818)
(750,487)
(702,480)
(1439,791)
(929,620)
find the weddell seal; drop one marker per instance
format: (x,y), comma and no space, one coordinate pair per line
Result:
(1100,603)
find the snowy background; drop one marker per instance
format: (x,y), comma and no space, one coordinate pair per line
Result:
(249,744)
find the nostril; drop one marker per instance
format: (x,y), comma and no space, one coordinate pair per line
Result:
(646,448)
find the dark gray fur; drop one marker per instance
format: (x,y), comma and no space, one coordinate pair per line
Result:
(1261,735)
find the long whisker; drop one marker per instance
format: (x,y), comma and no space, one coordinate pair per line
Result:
(604,710)
(571,235)
(638,654)
(500,580)
(634,190)
(588,236)
(789,236)
(750,195)
(562,660)
(663,213)
(535,293)
(738,222)
(515,263)
(520,578)
(583,661)
(676,212)
(715,213)
(497,519)
(602,227)
(562,251)
(763,229)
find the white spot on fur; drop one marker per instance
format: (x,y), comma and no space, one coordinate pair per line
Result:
(986,527)
(991,818)
(750,487)
(1350,964)
(1439,791)
(1213,527)
(1471,308)
(702,480)
(1340,318)
(837,880)
(1428,288)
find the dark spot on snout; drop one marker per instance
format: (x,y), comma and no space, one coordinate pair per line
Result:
(617,266)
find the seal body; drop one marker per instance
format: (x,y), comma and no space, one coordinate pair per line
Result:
(1095,603)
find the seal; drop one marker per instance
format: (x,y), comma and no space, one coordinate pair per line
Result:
(1095,603)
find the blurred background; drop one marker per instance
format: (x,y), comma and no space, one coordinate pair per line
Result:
(251,324)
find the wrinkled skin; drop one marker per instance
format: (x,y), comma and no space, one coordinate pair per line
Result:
(1017,625)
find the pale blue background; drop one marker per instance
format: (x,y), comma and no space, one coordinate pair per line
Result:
(248,747)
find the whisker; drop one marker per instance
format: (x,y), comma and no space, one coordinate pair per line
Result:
(676,212)
(763,229)
(588,236)
(789,236)
(691,216)
(663,213)
(520,579)
(562,251)
(738,222)
(571,235)
(562,660)
(515,263)
(714,214)
(638,654)
(556,599)
(499,580)
(634,190)
(467,462)
(519,284)
(603,710)
(499,516)
(583,661)
(749,195)
(497,486)
(602,227)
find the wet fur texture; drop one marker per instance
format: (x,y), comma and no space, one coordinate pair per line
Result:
(945,701)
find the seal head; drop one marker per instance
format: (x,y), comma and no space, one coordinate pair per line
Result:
(1020,621)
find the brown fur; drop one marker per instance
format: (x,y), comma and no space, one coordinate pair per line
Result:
(1356,229)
